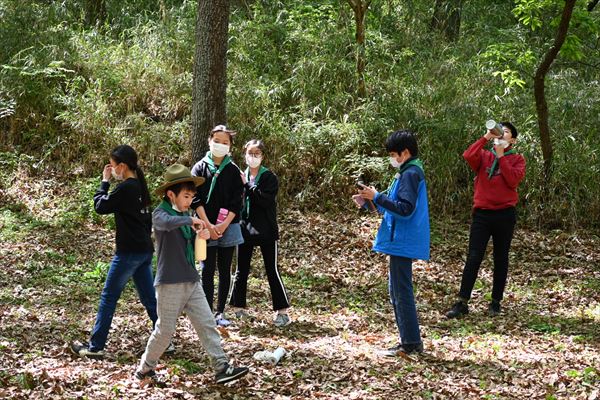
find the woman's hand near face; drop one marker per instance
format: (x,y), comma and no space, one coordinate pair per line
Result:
(107,172)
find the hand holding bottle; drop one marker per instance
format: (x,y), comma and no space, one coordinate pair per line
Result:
(198,224)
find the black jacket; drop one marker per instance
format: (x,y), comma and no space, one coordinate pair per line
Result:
(227,192)
(134,222)
(259,221)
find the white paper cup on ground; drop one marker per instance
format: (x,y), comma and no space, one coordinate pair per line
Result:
(269,357)
(277,355)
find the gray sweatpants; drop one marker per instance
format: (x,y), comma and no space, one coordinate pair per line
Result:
(172,300)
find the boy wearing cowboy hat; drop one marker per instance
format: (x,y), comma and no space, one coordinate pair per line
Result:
(177,282)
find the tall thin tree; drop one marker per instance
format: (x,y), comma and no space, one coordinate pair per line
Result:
(210,72)
(360,8)
(446,17)
(539,89)
(95,12)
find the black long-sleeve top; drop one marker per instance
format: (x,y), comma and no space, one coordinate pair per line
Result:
(227,192)
(259,222)
(133,221)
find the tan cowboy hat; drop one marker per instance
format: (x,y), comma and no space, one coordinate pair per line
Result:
(175,174)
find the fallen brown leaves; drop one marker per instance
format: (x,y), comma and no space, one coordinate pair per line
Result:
(545,344)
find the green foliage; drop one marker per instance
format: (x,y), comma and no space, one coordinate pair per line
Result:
(98,274)
(68,93)
(186,366)
(531,12)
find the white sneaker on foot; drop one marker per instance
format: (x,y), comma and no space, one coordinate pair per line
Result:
(282,320)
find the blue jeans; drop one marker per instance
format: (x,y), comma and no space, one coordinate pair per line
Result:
(123,267)
(403,300)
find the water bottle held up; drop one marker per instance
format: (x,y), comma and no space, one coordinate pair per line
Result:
(495,127)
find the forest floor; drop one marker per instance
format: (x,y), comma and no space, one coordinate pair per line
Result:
(544,345)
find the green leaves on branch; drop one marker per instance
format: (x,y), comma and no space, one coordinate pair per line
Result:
(530,12)
(514,60)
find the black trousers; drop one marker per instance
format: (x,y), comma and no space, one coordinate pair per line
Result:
(221,257)
(500,225)
(240,286)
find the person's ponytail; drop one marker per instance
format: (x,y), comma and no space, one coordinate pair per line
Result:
(145,192)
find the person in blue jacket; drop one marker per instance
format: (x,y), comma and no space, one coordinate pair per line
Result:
(403,234)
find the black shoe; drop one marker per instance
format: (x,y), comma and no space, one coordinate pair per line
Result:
(83,350)
(230,374)
(143,375)
(494,308)
(412,348)
(458,310)
(391,352)
(402,348)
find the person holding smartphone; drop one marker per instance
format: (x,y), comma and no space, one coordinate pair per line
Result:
(403,233)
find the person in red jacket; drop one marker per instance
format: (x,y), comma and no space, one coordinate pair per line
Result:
(499,172)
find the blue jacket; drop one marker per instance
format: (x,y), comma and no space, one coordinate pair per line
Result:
(404,229)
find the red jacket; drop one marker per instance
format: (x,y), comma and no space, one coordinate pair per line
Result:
(501,190)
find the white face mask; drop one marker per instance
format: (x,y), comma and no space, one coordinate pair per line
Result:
(501,142)
(114,175)
(218,149)
(395,163)
(253,162)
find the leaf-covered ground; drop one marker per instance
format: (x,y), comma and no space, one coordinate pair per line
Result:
(54,254)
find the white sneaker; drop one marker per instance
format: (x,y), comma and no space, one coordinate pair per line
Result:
(171,349)
(282,320)
(221,321)
(243,315)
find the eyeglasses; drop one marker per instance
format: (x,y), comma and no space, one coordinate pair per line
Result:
(255,154)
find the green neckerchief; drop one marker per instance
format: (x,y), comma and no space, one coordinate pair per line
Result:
(247,172)
(185,229)
(415,161)
(213,169)
(495,163)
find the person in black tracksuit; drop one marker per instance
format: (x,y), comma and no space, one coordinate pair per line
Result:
(259,228)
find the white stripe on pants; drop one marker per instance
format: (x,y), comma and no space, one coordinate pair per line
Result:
(172,300)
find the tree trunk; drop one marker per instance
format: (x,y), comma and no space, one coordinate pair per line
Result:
(163,10)
(446,18)
(360,8)
(210,72)
(95,12)
(539,88)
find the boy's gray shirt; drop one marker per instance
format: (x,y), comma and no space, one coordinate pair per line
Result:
(172,265)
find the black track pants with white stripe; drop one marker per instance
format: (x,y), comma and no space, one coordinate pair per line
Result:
(244,258)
